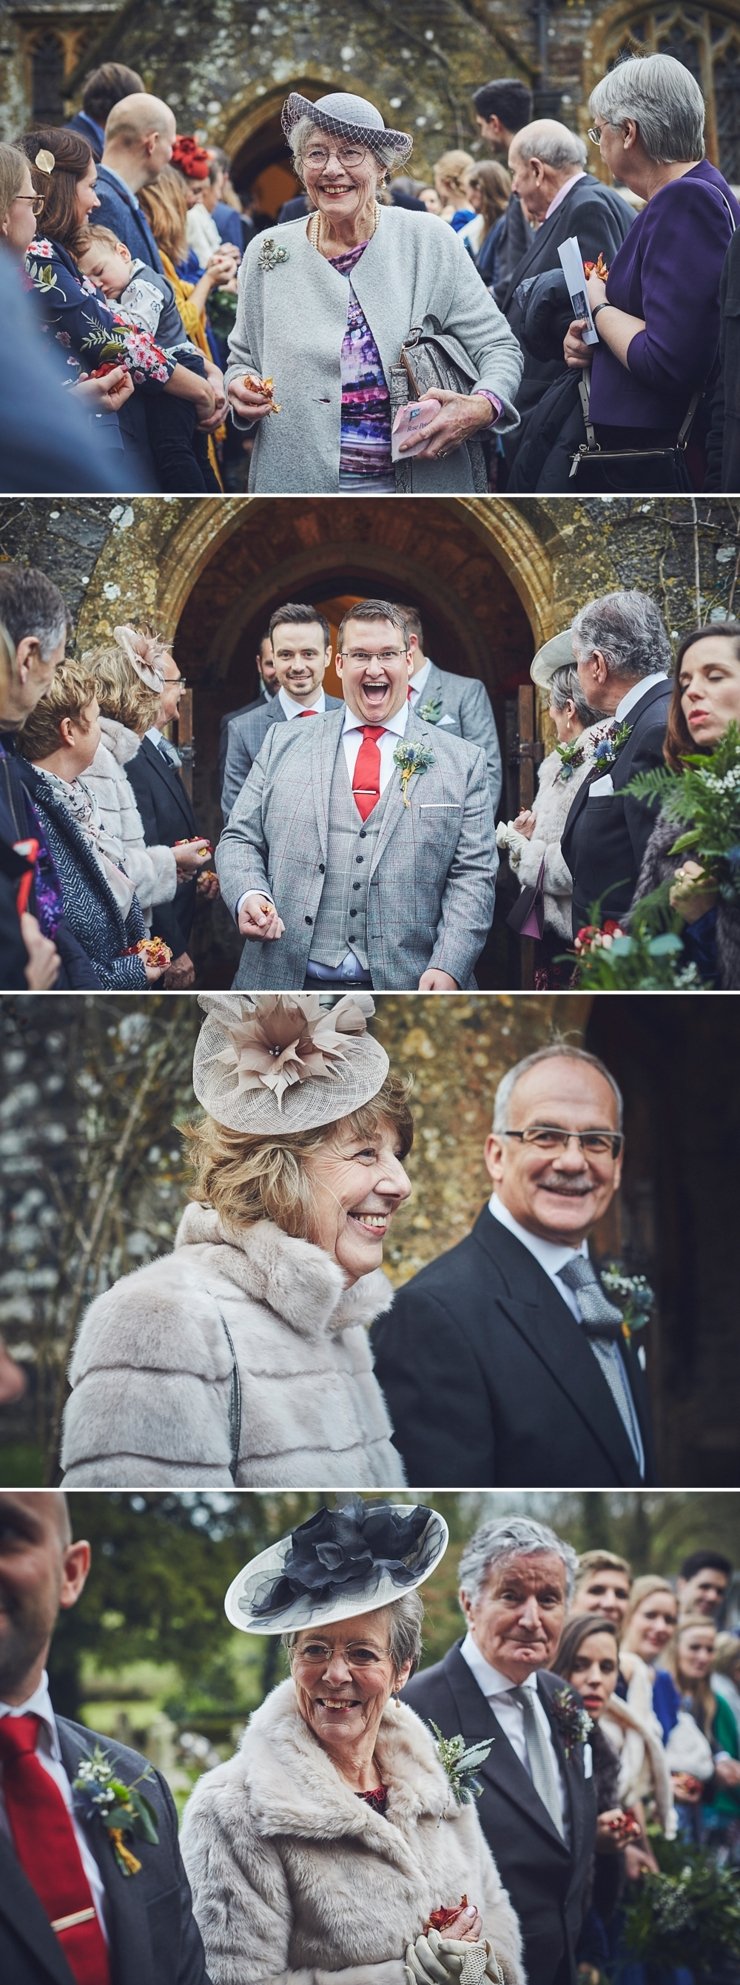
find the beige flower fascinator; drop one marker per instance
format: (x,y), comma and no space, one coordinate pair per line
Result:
(278,1062)
(139,649)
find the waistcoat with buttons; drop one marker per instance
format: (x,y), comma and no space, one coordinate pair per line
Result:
(341,920)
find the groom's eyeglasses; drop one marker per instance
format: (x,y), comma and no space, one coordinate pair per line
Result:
(547,1137)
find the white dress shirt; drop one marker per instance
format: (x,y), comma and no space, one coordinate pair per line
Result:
(551,1255)
(291,709)
(49,1754)
(418,682)
(393,728)
(631,696)
(495,1687)
(563,191)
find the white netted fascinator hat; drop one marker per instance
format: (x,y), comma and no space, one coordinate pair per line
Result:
(344,115)
(342,1561)
(269,1062)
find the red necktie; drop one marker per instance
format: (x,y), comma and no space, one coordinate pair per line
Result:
(308,713)
(44,1841)
(366,781)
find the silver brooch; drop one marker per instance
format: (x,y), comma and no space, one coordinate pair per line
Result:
(270,254)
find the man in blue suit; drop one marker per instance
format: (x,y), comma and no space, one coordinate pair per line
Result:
(72,1905)
(139,137)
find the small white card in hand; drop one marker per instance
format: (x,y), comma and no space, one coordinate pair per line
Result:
(572,265)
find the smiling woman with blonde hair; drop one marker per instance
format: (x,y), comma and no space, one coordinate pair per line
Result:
(244,1355)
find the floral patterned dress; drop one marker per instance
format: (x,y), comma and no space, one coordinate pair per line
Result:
(77,318)
(365,443)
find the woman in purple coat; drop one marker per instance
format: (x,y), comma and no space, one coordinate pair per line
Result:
(657,315)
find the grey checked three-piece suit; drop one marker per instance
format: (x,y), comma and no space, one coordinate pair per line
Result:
(465,711)
(411,887)
(245,734)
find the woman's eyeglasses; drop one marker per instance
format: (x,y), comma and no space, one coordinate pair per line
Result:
(37,201)
(318,155)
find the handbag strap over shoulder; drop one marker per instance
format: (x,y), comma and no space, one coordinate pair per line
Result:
(235,1402)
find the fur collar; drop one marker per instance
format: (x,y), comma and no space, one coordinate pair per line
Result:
(120,742)
(294,1787)
(301,1283)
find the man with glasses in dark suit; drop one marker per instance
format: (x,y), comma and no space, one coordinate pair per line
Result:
(504,1363)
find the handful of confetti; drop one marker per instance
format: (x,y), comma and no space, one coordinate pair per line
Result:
(205,849)
(625,1826)
(264,387)
(151,951)
(441,1919)
(597,268)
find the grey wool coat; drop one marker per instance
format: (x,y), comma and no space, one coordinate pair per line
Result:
(464,708)
(246,732)
(152,1368)
(290,323)
(433,862)
(296,1881)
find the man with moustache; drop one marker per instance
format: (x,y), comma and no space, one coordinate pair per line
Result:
(300,642)
(360,852)
(69,1914)
(538,1805)
(503,1363)
(603,1583)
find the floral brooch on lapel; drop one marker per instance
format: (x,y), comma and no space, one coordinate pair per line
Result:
(271,253)
(609,745)
(121,1809)
(431,711)
(632,1295)
(411,758)
(460,1762)
(574,1722)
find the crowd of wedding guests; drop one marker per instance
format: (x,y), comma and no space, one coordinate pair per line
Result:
(487,1817)
(101,850)
(168,311)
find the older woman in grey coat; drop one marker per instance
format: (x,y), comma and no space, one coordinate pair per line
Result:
(324,308)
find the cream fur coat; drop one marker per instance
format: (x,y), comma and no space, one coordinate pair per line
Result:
(552,805)
(151,1369)
(296,1881)
(153,871)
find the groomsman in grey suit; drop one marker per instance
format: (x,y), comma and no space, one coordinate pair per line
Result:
(301,653)
(361,851)
(458,703)
(267,689)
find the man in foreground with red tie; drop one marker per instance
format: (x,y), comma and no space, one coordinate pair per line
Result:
(361,851)
(88,1894)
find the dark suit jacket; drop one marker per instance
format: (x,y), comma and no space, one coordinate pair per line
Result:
(167,817)
(154,1939)
(490,1382)
(119,209)
(601,219)
(547,1880)
(604,839)
(245,736)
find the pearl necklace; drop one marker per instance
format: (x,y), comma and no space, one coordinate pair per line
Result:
(315,231)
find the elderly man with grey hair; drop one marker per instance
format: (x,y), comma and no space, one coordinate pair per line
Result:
(624,661)
(560,198)
(503,1363)
(538,1805)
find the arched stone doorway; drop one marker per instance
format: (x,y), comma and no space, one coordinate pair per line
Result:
(462,570)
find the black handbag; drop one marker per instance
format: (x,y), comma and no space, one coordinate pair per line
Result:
(527,917)
(432,361)
(611,471)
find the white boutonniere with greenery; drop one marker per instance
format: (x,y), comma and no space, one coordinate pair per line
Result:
(411,759)
(121,1809)
(460,1762)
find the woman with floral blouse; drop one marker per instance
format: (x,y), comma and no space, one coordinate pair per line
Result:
(76,316)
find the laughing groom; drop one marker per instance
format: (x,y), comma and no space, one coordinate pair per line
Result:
(361,851)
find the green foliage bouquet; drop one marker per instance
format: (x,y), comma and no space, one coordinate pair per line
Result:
(692,1907)
(706,797)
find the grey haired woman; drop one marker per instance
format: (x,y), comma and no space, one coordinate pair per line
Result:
(324,308)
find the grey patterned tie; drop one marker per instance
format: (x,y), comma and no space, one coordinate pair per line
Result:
(602,1323)
(539,1757)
